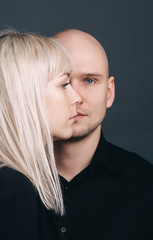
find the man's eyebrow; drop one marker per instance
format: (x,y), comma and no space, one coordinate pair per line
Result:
(91,75)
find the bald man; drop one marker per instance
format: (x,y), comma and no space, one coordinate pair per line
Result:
(108,191)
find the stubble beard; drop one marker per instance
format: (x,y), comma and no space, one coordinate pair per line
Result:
(78,134)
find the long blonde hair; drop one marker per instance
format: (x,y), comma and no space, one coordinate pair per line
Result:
(27,63)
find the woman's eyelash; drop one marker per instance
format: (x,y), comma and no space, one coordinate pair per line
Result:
(65,84)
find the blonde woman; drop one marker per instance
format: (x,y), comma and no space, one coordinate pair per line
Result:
(36,99)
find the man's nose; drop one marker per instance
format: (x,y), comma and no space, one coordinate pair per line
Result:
(76,98)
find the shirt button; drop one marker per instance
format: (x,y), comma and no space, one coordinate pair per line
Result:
(63,229)
(67,187)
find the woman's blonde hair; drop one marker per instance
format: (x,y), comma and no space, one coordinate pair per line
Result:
(27,63)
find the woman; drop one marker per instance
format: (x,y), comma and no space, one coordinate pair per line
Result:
(34,90)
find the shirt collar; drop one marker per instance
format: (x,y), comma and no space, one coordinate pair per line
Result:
(102,162)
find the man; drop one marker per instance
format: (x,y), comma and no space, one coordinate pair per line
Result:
(108,192)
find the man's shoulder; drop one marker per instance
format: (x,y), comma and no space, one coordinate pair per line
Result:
(124,161)
(12,181)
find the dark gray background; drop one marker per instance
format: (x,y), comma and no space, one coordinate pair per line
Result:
(125,29)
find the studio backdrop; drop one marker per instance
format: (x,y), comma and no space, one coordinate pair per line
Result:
(125,29)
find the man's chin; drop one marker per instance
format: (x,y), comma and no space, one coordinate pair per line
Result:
(82,133)
(79,133)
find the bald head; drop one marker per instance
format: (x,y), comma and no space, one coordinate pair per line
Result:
(89,78)
(81,43)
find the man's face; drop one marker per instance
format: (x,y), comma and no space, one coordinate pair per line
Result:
(90,80)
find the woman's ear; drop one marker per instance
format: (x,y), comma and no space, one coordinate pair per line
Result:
(110,92)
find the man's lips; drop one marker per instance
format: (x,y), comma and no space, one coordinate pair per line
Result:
(79,115)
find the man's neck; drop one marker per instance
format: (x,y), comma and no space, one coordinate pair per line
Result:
(74,156)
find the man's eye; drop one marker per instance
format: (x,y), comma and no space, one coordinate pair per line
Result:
(89,81)
(65,84)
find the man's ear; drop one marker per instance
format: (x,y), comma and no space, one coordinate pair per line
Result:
(110,92)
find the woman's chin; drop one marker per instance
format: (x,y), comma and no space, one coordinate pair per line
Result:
(64,136)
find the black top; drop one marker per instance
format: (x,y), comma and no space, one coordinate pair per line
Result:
(111,199)
(22,214)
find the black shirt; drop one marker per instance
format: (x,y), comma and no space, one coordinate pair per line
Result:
(22,214)
(111,199)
